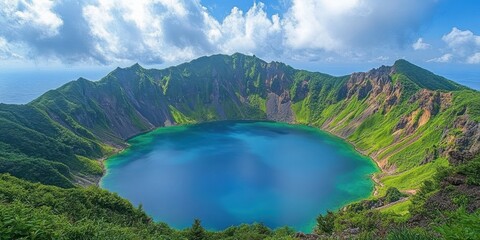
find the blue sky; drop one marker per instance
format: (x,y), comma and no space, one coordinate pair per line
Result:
(333,36)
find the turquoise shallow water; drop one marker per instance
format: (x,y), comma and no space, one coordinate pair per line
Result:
(227,173)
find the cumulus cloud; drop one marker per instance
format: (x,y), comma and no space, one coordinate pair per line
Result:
(463,46)
(420,45)
(474,59)
(253,32)
(461,41)
(353,24)
(156,31)
(6,50)
(178,30)
(37,15)
(66,39)
(152,31)
(443,59)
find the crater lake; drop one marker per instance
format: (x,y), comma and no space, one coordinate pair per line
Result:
(232,172)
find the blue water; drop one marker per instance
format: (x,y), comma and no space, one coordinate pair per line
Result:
(20,86)
(227,173)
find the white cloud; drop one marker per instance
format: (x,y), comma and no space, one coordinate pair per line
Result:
(156,31)
(352,25)
(460,40)
(382,58)
(38,14)
(252,32)
(474,59)
(463,45)
(5,51)
(420,45)
(443,59)
(149,30)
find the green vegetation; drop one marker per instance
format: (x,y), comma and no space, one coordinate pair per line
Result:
(36,211)
(413,178)
(425,79)
(400,209)
(197,232)
(325,224)
(443,208)
(179,117)
(420,127)
(393,195)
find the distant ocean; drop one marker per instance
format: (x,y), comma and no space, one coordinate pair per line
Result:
(21,87)
(471,80)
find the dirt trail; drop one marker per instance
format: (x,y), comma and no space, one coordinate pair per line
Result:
(391,204)
(377,184)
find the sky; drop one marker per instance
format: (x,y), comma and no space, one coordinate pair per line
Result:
(332,36)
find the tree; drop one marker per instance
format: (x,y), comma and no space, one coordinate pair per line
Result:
(326,224)
(197,232)
(393,195)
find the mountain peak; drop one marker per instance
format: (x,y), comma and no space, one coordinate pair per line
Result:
(82,79)
(402,61)
(136,66)
(424,78)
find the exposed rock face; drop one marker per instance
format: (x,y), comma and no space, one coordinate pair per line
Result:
(371,83)
(468,144)
(443,199)
(306,236)
(114,110)
(381,94)
(134,100)
(430,103)
(278,104)
(376,88)
(279,108)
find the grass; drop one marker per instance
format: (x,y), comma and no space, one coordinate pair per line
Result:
(179,117)
(257,102)
(91,166)
(400,209)
(412,178)
(302,114)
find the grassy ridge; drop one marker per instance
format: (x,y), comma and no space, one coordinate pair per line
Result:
(36,148)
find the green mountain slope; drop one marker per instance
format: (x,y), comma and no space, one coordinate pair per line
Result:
(425,79)
(409,120)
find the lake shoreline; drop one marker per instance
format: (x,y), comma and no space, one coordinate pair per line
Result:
(351,145)
(373,176)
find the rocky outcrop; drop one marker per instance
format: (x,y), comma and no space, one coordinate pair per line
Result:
(306,236)
(444,200)
(376,88)
(279,107)
(467,145)
(429,104)
(278,102)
